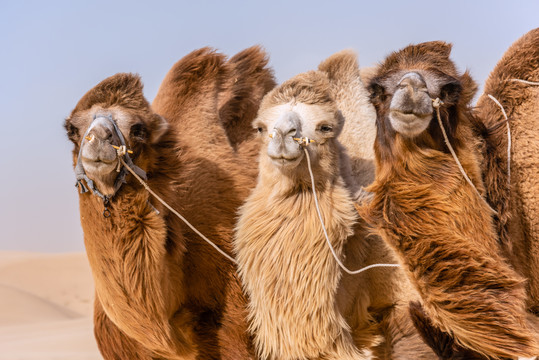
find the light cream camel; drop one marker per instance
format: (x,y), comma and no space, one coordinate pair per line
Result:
(296,307)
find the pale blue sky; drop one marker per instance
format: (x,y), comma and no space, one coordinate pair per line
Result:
(52,52)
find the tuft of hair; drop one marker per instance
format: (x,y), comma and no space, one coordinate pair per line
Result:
(311,87)
(122,89)
(442,343)
(427,55)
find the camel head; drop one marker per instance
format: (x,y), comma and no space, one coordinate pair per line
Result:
(407,83)
(299,113)
(112,114)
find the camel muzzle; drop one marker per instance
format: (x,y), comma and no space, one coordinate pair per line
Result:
(411,96)
(103,130)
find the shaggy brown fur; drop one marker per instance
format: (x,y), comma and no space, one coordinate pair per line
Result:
(518,204)
(157,281)
(442,342)
(442,231)
(390,290)
(296,305)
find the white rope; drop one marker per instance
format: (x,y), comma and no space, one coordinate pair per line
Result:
(525,82)
(508,137)
(176,213)
(436,103)
(326,233)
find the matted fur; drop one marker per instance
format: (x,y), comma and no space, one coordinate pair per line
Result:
(442,231)
(517,205)
(390,290)
(285,264)
(157,281)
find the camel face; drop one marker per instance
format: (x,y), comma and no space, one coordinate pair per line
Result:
(407,98)
(97,132)
(407,83)
(282,127)
(98,156)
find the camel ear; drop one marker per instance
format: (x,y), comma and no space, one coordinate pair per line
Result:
(469,87)
(437,47)
(376,91)
(451,92)
(72,131)
(159,128)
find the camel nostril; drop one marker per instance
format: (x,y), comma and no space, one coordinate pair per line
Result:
(101,133)
(413,81)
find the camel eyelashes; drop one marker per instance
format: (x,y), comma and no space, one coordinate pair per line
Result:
(326,128)
(260,128)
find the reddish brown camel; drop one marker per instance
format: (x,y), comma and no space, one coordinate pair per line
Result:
(516,201)
(161,291)
(424,208)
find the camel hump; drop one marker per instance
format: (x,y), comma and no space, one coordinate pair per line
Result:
(188,98)
(122,89)
(191,82)
(520,61)
(250,79)
(341,65)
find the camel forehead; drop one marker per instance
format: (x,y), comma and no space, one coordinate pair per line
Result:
(306,114)
(85,119)
(433,79)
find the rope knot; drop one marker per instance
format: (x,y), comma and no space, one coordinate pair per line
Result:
(303,141)
(436,103)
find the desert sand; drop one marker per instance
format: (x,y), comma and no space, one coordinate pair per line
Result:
(46,305)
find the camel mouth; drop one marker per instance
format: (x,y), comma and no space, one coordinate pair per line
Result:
(99,166)
(409,123)
(283,161)
(410,116)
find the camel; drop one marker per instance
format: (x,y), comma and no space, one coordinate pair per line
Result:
(517,201)
(286,266)
(424,207)
(161,291)
(389,288)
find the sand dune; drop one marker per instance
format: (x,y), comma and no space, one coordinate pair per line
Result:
(46,307)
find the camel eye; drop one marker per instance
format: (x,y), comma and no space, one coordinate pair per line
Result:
(326,128)
(138,132)
(72,132)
